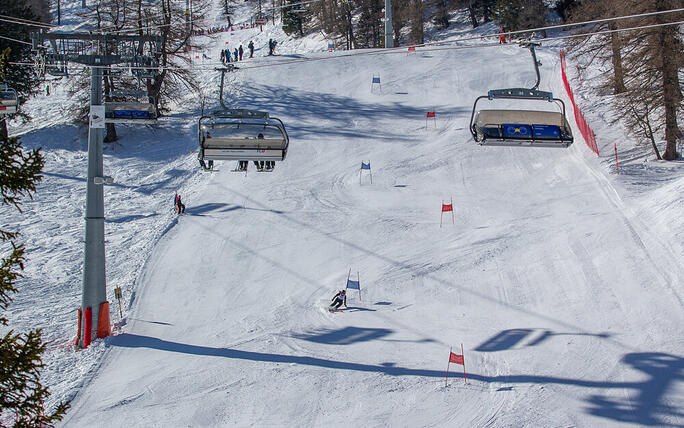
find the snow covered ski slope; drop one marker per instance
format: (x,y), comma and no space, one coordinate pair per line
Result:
(569,307)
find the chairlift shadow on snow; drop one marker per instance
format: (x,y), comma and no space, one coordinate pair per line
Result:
(508,339)
(165,183)
(219,207)
(645,407)
(344,336)
(128,218)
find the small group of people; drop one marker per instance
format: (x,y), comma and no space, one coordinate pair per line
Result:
(272,43)
(178,204)
(237,55)
(260,165)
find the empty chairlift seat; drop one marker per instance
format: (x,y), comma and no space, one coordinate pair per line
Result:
(242,135)
(130,112)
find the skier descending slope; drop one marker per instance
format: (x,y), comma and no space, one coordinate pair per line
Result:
(339,300)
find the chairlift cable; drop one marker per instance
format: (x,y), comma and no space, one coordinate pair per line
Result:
(15,20)
(439,46)
(15,40)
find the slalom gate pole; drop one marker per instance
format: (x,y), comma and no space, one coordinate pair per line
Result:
(447,372)
(617,166)
(452,210)
(358,278)
(464,371)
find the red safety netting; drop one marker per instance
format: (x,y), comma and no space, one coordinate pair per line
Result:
(582,124)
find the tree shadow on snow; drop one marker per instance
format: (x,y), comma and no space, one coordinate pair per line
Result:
(336,115)
(646,407)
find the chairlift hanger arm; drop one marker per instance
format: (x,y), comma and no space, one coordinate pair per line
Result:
(537,63)
(223,71)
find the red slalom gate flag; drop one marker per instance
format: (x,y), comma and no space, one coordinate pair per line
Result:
(445,209)
(430,114)
(456,359)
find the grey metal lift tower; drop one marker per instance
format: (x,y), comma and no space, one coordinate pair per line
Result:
(389,35)
(99,52)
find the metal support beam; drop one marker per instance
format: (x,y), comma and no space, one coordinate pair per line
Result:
(94,278)
(537,63)
(88,49)
(389,34)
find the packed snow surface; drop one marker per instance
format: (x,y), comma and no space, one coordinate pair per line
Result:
(561,279)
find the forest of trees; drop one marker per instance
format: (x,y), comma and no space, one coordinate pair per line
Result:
(644,66)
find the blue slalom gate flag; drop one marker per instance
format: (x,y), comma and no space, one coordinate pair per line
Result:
(353,285)
(367,167)
(376,79)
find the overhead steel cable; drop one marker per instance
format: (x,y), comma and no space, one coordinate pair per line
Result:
(19,21)
(16,41)
(437,46)
(212,66)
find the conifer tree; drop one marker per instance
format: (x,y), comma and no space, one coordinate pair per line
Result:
(22,395)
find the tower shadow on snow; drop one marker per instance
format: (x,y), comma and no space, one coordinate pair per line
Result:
(645,407)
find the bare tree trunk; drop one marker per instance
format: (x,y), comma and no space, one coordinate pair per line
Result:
(618,72)
(671,51)
(473,16)
(3,129)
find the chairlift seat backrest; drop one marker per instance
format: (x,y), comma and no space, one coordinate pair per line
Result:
(9,101)
(129,112)
(522,126)
(238,134)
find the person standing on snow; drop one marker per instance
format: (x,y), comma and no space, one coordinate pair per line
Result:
(180,207)
(240,51)
(251,49)
(339,300)
(236,54)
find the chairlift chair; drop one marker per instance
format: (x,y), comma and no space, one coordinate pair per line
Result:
(130,111)
(517,127)
(242,135)
(9,101)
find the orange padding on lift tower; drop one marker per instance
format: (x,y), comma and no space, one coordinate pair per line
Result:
(103,328)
